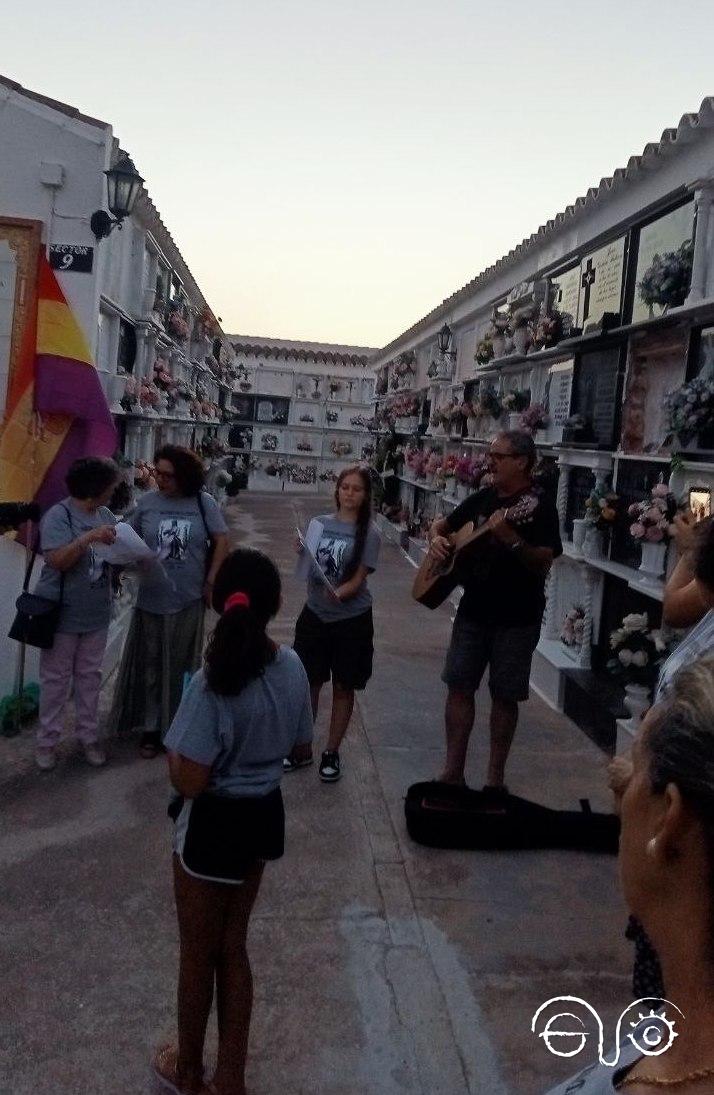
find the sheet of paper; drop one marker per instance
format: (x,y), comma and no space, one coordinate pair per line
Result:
(307,562)
(128,548)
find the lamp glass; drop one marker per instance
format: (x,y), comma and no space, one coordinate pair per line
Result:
(123,185)
(444,338)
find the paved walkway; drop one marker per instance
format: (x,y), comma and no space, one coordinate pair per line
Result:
(381,967)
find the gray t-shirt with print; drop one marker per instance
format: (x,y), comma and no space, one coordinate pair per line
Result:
(333,553)
(245,737)
(87,593)
(175,528)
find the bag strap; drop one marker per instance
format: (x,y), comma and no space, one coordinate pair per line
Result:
(202,511)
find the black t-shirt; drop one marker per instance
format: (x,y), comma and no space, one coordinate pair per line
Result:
(501,590)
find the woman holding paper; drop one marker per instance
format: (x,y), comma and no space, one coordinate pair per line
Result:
(69,533)
(334,633)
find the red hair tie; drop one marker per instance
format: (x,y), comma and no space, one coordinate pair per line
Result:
(237,600)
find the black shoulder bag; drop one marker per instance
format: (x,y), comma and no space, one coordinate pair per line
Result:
(37,617)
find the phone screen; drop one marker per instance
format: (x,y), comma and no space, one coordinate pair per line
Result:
(700,502)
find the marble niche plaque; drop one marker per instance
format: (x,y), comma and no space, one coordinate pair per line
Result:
(601,284)
(663,236)
(556,397)
(565,295)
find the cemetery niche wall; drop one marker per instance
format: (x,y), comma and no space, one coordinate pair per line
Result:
(597,336)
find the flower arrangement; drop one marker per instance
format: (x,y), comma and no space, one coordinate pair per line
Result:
(433,463)
(149,395)
(572,631)
(462,470)
(245,385)
(334,387)
(690,409)
(534,417)
(601,509)
(666,281)
(405,365)
(341,448)
(332,417)
(381,386)
(162,376)
(304,446)
(484,351)
(637,650)
(328,477)
(299,391)
(269,442)
(415,460)
(515,401)
(489,402)
(523,316)
(548,330)
(244,438)
(367,452)
(359,421)
(178,326)
(479,471)
(500,325)
(309,418)
(652,518)
(404,406)
(302,473)
(466,409)
(130,398)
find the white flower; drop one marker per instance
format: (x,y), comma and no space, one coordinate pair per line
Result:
(625,657)
(640,659)
(636,621)
(616,637)
(658,640)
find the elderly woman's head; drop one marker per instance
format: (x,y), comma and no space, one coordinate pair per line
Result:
(667,842)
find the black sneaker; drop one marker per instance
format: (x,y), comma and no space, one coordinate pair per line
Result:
(292,765)
(330,766)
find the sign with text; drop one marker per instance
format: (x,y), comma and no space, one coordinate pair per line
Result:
(557,393)
(73,257)
(601,283)
(565,295)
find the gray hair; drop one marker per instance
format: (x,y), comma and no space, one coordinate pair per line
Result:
(522,444)
(681,744)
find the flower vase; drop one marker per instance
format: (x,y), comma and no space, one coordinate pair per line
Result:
(580,527)
(520,340)
(514,421)
(541,437)
(592,544)
(653,559)
(471,426)
(499,345)
(116,387)
(637,700)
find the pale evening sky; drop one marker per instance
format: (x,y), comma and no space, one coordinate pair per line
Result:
(332,170)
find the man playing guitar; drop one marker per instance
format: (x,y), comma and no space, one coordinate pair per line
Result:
(499,617)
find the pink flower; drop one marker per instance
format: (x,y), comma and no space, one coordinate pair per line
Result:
(661,490)
(633,510)
(654,515)
(654,534)
(637,530)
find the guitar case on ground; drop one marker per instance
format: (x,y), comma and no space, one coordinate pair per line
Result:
(441,815)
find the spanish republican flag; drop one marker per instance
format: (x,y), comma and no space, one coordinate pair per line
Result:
(56,409)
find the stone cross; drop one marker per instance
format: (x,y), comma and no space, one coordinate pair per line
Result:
(587,281)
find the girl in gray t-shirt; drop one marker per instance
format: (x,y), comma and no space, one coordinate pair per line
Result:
(334,632)
(237,719)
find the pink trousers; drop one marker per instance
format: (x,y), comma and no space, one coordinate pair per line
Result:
(75,661)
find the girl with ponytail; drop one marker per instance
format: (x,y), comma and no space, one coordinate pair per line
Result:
(239,716)
(334,633)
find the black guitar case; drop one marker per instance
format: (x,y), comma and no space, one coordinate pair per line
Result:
(441,815)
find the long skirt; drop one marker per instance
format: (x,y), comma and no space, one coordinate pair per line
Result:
(159,652)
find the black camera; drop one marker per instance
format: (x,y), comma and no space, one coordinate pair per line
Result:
(14,514)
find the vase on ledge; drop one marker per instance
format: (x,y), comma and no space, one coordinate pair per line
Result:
(592,544)
(637,700)
(471,426)
(653,560)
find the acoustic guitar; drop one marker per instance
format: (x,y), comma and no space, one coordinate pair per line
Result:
(436,578)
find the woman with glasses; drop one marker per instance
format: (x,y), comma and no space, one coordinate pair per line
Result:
(186,528)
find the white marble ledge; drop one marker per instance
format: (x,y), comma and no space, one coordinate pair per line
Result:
(635,579)
(420,484)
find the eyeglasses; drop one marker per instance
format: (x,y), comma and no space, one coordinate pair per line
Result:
(502,456)
(164,475)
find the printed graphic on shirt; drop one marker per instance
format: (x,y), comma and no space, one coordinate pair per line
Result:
(172,539)
(331,556)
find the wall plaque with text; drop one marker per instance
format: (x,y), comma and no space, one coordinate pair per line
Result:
(72,257)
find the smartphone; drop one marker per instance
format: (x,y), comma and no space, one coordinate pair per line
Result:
(700,502)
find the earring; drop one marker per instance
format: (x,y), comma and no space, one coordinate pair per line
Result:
(652,847)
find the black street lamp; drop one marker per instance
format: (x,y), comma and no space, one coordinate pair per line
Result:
(444,340)
(123,186)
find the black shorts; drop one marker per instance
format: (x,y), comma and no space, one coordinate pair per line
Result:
(220,837)
(506,652)
(341,649)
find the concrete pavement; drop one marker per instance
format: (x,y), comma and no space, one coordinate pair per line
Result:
(380,967)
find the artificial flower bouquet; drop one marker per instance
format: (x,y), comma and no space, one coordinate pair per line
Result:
(652,518)
(637,650)
(690,409)
(572,631)
(601,509)
(534,417)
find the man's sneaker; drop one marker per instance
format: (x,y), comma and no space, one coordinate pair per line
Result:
(45,758)
(95,755)
(290,764)
(330,766)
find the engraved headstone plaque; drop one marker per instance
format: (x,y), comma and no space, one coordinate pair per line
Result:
(565,295)
(601,283)
(595,394)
